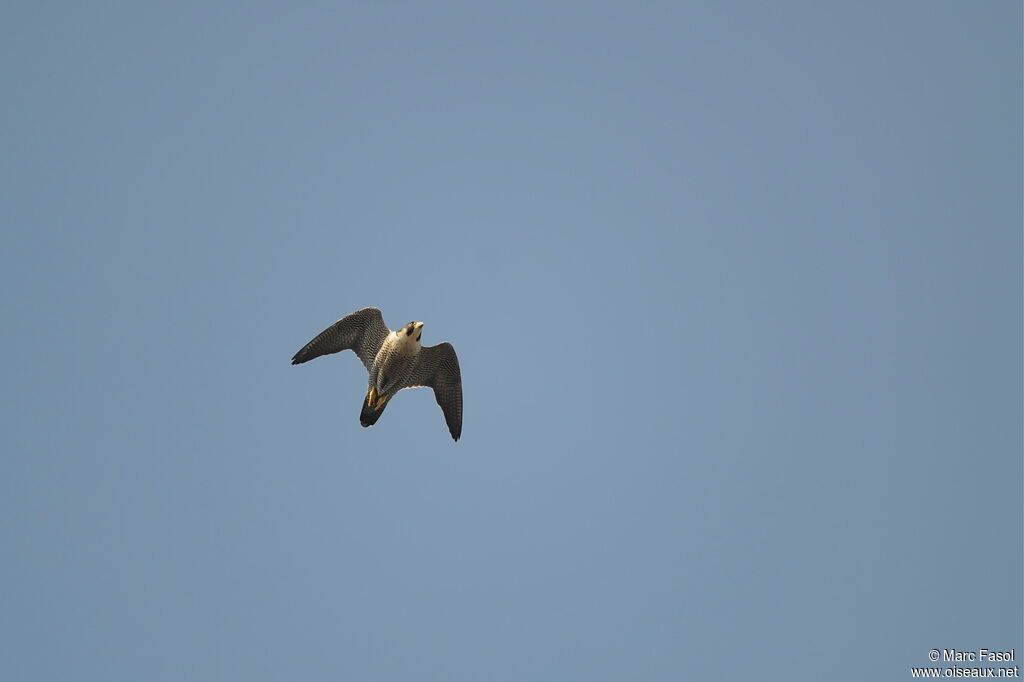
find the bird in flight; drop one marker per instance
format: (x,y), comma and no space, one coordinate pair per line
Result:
(395,360)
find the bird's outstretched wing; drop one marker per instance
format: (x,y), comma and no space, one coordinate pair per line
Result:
(438,368)
(363,331)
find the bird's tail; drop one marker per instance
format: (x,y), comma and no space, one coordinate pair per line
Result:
(369,416)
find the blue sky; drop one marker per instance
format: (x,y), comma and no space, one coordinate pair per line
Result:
(736,290)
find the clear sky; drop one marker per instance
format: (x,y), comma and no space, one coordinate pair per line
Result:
(735,287)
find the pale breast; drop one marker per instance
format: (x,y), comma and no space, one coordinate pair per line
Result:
(393,365)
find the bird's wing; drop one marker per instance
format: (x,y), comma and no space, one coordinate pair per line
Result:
(438,368)
(363,331)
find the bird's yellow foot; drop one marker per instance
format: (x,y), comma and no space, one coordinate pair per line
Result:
(380,402)
(371,396)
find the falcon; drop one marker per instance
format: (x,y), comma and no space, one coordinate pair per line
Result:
(395,361)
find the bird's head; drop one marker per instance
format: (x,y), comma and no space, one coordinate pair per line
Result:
(411,333)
